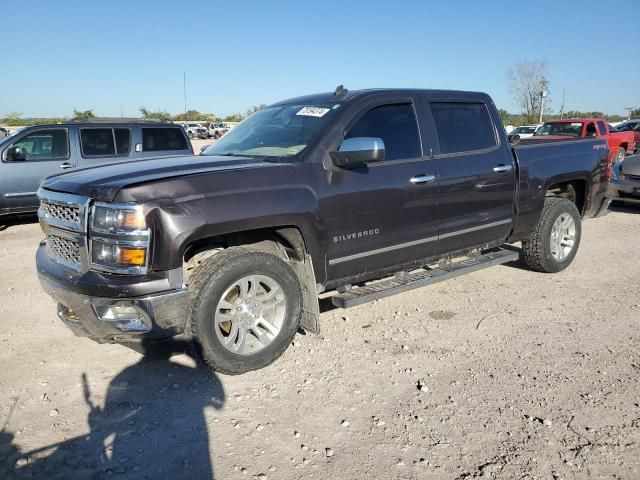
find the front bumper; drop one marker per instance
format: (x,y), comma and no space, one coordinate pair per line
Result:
(151,316)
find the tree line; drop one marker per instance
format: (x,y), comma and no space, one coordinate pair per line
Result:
(15,119)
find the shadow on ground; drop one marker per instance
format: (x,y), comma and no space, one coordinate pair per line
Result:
(152,425)
(620,207)
(6,222)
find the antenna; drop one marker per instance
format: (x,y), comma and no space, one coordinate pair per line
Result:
(340,91)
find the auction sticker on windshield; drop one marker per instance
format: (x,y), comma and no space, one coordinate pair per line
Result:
(312,111)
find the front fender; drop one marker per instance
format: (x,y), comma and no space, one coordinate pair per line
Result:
(202,207)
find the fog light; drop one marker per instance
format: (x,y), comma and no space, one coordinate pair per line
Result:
(126,318)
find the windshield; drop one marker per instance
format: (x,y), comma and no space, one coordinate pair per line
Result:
(280,131)
(525,130)
(565,129)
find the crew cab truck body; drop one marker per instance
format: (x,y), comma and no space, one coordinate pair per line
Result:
(38,151)
(620,143)
(323,193)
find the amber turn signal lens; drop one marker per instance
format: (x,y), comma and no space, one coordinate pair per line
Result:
(132,256)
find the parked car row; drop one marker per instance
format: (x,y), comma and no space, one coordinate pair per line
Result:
(206,130)
(620,143)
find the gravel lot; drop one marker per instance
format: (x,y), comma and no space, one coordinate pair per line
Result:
(504,373)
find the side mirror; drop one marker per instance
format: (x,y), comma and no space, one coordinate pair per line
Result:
(15,154)
(357,151)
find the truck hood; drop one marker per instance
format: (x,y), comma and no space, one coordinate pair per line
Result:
(631,166)
(104,182)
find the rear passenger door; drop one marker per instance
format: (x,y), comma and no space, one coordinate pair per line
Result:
(476,174)
(105,144)
(164,142)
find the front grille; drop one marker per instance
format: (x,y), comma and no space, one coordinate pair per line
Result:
(62,213)
(64,249)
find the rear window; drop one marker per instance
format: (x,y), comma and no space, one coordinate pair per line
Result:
(463,127)
(161,139)
(601,128)
(101,142)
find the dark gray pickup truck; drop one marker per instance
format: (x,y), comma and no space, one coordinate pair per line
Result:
(360,194)
(35,152)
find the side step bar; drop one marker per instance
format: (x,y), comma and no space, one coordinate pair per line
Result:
(404,283)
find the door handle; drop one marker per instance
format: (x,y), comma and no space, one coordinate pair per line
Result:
(66,165)
(502,168)
(418,179)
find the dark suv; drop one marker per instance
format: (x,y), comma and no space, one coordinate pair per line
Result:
(39,151)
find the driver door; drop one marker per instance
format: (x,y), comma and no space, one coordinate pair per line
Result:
(43,152)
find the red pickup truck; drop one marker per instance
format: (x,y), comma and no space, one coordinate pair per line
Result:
(620,143)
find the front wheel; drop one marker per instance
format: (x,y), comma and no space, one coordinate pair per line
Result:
(244,309)
(554,243)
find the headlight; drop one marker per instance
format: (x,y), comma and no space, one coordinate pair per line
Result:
(108,219)
(119,238)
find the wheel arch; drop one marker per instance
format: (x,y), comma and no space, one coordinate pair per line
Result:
(576,190)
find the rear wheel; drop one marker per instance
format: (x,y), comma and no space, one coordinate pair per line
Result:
(554,243)
(244,309)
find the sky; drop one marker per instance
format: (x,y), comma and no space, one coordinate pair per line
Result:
(115,56)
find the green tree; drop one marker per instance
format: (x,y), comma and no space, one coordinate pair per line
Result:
(236,117)
(157,115)
(194,115)
(505,116)
(83,114)
(635,113)
(13,119)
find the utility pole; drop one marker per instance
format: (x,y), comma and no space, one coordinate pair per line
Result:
(543,94)
(184,90)
(562,106)
(629,110)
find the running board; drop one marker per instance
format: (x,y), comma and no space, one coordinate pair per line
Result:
(410,281)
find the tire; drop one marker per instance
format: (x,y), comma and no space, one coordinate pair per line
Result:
(619,156)
(220,342)
(543,251)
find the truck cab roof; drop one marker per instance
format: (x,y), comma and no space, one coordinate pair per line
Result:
(357,94)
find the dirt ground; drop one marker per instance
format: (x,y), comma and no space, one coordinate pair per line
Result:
(504,373)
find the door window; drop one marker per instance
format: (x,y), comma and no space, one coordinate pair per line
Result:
(47,144)
(104,142)
(463,127)
(396,125)
(590,130)
(161,139)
